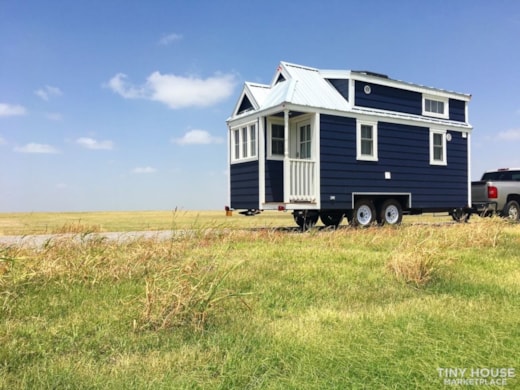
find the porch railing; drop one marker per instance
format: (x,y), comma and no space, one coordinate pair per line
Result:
(302,175)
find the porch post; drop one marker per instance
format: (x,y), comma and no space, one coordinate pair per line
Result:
(286,166)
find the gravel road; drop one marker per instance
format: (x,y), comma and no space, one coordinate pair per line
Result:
(39,240)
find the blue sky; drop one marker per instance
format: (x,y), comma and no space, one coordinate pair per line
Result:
(121,105)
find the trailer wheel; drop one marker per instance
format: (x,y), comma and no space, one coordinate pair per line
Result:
(306,219)
(364,213)
(511,210)
(331,218)
(391,213)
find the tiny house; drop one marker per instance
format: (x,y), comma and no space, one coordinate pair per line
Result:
(329,144)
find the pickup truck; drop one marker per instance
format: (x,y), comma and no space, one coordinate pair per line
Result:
(498,192)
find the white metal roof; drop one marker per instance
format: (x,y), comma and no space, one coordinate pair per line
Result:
(309,87)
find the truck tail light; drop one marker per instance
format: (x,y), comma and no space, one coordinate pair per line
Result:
(492,192)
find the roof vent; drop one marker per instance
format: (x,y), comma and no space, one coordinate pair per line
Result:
(375,74)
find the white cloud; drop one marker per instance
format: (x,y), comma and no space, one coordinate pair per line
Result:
(91,143)
(2,141)
(144,170)
(170,38)
(11,110)
(197,137)
(47,92)
(176,91)
(36,148)
(118,85)
(510,135)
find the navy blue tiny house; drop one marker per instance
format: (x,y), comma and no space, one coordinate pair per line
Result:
(331,144)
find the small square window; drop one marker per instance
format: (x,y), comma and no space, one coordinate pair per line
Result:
(435,106)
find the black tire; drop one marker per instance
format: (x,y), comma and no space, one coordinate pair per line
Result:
(364,213)
(391,213)
(331,217)
(458,215)
(511,211)
(306,219)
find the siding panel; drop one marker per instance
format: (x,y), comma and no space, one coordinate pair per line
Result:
(388,98)
(404,152)
(273,181)
(244,185)
(457,110)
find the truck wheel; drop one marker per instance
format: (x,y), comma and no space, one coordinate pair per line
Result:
(305,219)
(391,212)
(364,213)
(511,210)
(331,218)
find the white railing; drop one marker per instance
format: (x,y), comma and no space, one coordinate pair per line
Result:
(302,174)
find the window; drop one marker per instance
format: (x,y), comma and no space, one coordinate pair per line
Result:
(435,106)
(277,140)
(305,141)
(244,142)
(367,141)
(438,147)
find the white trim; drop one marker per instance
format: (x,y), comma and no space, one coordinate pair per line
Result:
(286,163)
(359,155)
(446,106)
(317,156)
(261,161)
(468,146)
(444,160)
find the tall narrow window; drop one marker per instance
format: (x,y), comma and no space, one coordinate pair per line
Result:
(253,141)
(438,147)
(367,141)
(244,142)
(305,141)
(237,143)
(277,140)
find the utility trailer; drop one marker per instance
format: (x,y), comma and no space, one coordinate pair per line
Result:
(330,144)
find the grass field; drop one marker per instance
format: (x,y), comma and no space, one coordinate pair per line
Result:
(377,308)
(123,221)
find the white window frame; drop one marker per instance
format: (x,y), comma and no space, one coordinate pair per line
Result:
(445,101)
(247,148)
(444,159)
(270,124)
(359,155)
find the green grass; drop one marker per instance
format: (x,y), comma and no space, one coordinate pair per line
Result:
(263,309)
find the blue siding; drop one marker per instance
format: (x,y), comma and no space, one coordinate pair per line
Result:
(457,110)
(388,98)
(402,150)
(244,185)
(341,86)
(273,181)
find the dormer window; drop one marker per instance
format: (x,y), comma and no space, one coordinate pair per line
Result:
(435,106)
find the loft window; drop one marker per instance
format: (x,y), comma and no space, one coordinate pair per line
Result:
(435,106)
(366,141)
(438,147)
(244,143)
(277,140)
